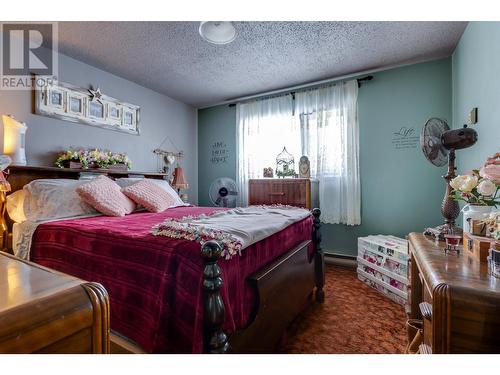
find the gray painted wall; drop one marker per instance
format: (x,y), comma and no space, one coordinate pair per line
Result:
(475,84)
(401,190)
(160,116)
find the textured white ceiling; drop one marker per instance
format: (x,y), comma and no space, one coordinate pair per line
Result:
(171,57)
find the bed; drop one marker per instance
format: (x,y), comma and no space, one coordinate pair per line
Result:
(173,295)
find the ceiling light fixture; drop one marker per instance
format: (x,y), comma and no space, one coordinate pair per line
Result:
(217,32)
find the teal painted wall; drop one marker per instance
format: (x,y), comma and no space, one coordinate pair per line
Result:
(216,148)
(476,83)
(401,191)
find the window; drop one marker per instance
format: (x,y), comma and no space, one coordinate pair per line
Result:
(322,124)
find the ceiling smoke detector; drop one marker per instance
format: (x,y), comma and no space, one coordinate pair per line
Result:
(217,32)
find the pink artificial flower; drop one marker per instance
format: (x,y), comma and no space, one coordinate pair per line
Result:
(491,172)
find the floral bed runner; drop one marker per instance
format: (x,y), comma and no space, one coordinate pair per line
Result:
(236,229)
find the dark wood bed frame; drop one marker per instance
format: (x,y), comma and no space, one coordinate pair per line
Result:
(283,287)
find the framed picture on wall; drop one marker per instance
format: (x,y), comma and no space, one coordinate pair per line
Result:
(96,110)
(114,113)
(87,106)
(129,118)
(56,99)
(76,104)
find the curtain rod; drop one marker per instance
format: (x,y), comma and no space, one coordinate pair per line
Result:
(360,80)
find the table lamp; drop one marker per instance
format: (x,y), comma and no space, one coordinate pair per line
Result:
(14,133)
(179,181)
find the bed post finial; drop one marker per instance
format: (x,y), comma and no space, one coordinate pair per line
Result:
(215,340)
(319,261)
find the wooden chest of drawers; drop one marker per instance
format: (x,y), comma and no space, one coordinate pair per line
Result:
(300,192)
(43,311)
(456,298)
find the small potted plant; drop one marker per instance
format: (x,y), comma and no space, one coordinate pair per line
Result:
(119,161)
(76,159)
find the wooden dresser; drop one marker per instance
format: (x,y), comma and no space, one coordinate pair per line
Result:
(43,311)
(456,297)
(300,192)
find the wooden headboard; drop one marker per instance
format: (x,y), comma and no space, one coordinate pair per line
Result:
(19,176)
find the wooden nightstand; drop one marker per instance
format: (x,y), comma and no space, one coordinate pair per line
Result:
(44,311)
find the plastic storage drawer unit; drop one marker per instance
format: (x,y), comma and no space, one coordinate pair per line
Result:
(383,265)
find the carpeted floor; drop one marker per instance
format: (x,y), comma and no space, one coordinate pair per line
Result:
(354,319)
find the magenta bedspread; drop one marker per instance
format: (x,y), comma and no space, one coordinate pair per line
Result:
(154,283)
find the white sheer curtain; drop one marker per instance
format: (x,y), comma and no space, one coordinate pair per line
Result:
(264,127)
(322,124)
(330,138)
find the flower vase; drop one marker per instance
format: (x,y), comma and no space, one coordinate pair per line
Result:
(474,212)
(72,164)
(118,167)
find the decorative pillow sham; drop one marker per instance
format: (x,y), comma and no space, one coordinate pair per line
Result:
(50,199)
(105,196)
(125,182)
(150,195)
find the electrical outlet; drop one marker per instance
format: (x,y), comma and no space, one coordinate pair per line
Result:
(473,116)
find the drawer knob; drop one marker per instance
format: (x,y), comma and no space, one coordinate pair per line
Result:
(426,310)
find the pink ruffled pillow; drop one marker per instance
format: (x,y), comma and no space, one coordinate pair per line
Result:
(149,195)
(105,196)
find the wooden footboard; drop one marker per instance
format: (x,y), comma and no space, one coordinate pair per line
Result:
(283,288)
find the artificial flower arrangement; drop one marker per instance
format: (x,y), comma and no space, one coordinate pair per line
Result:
(479,188)
(93,159)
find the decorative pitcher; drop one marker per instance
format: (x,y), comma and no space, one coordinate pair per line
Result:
(474,212)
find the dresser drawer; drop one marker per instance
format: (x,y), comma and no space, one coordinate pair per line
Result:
(293,192)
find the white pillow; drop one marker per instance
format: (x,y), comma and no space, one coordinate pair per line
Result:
(48,199)
(128,181)
(15,206)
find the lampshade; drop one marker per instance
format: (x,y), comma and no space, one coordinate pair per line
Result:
(4,184)
(14,133)
(179,181)
(217,32)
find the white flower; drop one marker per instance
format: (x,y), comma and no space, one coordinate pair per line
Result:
(464,183)
(486,188)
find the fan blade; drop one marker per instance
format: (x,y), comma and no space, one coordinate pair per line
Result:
(224,202)
(232,192)
(217,202)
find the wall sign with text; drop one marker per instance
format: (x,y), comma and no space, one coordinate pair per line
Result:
(219,153)
(405,138)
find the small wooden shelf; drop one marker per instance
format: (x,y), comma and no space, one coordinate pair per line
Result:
(33,168)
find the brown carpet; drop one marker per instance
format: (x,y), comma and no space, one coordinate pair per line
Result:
(354,319)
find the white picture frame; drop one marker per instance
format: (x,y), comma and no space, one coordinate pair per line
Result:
(129,118)
(76,104)
(59,100)
(114,113)
(96,110)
